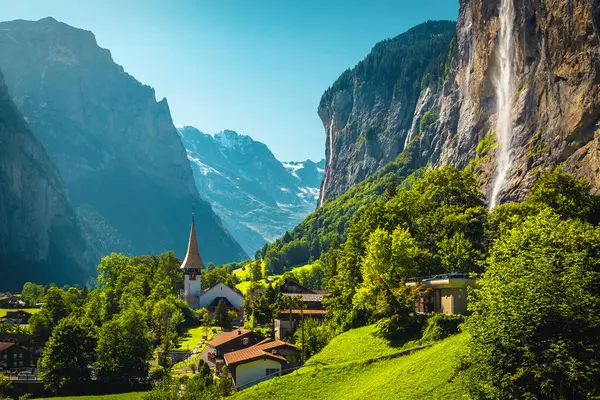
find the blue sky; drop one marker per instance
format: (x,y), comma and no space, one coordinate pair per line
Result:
(254,66)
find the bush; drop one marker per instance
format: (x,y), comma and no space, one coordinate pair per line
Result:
(158,373)
(440,326)
(396,328)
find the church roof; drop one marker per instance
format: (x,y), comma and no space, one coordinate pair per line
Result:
(192,257)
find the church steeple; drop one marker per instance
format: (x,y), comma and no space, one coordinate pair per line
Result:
(192,260)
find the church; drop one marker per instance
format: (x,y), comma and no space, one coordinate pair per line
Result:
(192,268)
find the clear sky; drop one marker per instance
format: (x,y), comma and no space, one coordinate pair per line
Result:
(258,67)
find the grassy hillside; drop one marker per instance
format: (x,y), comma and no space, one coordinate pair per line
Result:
(355,345)
(120,396)
(424,374)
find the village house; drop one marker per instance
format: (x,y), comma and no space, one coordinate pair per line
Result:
(311,307)
(448,293)
(13,356)
(228,342)
(264,360)
(11,302)
(19,317)
(33,343)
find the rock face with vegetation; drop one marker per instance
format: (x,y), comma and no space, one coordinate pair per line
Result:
(369,112)
(373,110)
(258,197)
(115,146)
(556,102)
(40,235)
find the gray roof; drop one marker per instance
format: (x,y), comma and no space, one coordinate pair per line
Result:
(306,297)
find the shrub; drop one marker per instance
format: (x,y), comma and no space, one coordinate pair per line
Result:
(440,326)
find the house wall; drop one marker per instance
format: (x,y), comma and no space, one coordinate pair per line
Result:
(460,301)
(446,301)
(248,372)
(451,301)
(17,357)
(221,290)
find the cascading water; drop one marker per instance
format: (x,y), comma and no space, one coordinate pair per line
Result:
(328,161)
(504,82)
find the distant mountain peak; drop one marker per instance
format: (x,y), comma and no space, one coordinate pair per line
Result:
(257,196)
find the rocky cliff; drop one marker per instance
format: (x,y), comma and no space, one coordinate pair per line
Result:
(554,104)
(373,110)
(41,238)
(115,146)
(258,197)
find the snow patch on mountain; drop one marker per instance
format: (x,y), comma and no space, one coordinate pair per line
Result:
(257,197)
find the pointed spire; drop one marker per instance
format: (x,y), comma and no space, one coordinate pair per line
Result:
(192,258)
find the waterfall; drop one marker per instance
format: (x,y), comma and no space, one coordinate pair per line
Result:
(504,83)
(328,168)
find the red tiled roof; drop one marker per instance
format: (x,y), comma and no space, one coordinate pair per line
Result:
(249,354)
(5,345)
(273,344)
(227,337)
(304,312)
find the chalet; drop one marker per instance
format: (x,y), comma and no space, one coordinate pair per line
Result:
(19,317)
(11,302)
(448,293)
(311,307)
(13,356)
(264,360)
(228,342)
(33,343)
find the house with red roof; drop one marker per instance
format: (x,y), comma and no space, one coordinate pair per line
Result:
(228,342)
(262,361)
(14,356)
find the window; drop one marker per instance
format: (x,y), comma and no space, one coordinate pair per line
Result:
(271,371)
(192,276)
(245,341)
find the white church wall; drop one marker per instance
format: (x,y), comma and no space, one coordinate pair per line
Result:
(221,290)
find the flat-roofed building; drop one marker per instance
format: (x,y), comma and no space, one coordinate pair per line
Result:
(448,293)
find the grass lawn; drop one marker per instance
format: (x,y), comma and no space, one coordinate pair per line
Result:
(194,359)
(244,286)
(191,337)
(242,274)
(424,374)
(4,310)
(120,396)
(354,345)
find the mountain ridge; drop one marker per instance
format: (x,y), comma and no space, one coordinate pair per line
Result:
(100,127)
(258,197)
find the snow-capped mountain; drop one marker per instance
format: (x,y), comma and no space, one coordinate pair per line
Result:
(257,196)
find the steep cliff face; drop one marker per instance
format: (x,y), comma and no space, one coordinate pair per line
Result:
(41,238)
(258,197)
(115,146)
(554,107)
(369,112)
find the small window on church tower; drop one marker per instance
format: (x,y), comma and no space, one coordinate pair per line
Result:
(192,276)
